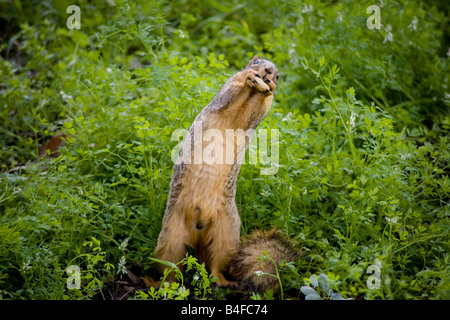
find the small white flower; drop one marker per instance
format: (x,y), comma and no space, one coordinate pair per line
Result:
(393,220)
(65,96)
(352,121)
(307,8)
(123,245)
(288,117)
(121,267)
(26,265)
(413,25)
(389,36)
(265,193)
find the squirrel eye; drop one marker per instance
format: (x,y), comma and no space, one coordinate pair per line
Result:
(278,77)
(256,61)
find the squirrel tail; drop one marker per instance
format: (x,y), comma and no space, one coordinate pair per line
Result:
(247,260)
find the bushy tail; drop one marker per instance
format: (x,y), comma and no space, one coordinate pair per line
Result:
(247,260)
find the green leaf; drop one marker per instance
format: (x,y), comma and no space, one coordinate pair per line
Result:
(313,296)
(307,290)
(314,280)
(323,283)
(166,263)
(338,296)
(321,62)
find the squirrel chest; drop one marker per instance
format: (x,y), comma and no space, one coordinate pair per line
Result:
(218,146)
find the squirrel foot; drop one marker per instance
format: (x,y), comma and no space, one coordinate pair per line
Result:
(254,81)
(227,284)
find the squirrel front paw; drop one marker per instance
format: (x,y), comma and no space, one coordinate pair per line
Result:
(255,81)
(271,84)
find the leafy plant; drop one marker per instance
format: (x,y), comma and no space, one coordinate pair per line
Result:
(90,273)
(201,281)
(321,283)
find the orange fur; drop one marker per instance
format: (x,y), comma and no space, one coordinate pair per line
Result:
(201,211)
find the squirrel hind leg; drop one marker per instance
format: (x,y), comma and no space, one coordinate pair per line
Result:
(222,240)
(219,258)
(172,246)
(216,265)
(222,281)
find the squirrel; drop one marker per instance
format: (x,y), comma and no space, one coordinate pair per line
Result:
(201,211)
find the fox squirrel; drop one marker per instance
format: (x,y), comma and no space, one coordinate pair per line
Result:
(201,211)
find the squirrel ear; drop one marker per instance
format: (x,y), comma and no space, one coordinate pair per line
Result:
(255,57)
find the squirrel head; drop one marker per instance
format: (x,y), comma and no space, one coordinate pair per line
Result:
(265,69)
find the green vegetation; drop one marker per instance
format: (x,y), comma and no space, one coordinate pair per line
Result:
(363,118)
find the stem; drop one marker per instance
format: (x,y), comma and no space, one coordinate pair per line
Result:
(347,128)
(276,275)
(419,240)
